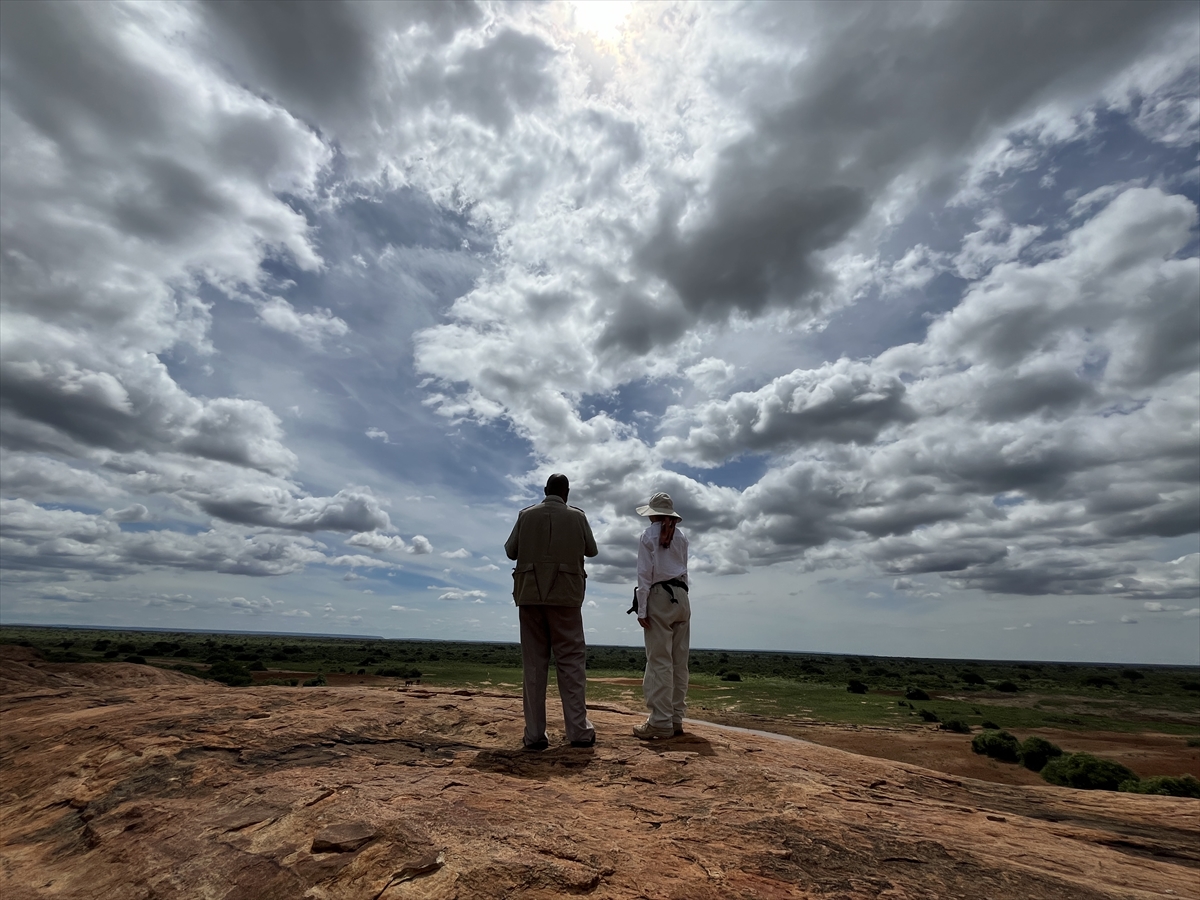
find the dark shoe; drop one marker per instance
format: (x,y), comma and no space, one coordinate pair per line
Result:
(589,743)
(536,745)
(678,729)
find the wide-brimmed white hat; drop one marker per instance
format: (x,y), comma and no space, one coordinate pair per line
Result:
(660,505)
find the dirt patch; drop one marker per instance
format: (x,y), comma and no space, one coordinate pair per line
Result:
(1146,753)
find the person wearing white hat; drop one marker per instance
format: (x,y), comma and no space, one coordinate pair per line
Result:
(665,614)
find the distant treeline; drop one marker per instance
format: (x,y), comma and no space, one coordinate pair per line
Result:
(408,658)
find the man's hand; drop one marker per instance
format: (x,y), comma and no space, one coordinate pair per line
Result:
(645,623)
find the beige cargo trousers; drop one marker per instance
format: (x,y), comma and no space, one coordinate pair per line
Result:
(668,640)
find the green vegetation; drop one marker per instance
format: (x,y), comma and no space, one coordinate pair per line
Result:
(804,686)
(1167,785)
(997,745)
(1037,751)
(1082,770)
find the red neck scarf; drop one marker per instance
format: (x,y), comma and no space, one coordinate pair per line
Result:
(667,532)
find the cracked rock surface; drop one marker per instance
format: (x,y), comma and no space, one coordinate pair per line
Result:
(126,781)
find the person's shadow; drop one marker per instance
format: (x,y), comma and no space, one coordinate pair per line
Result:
(565,761)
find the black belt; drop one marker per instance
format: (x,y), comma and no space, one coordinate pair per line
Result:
(668,586)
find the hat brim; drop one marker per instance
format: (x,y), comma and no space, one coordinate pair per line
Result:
(652,511)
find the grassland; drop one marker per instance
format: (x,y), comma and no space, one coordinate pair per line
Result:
(806,687)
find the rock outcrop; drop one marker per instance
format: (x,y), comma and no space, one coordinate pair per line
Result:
(122,781)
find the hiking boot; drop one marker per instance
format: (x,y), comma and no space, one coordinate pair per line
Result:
(536,745)
(648,732)
(588,743)
(678,730)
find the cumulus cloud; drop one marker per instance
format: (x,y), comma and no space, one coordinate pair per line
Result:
(460,553)
(843,402)
(382,543)
(251,607)
(311,328)
(476,596)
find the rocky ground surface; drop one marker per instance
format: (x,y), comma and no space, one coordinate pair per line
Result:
(124,781)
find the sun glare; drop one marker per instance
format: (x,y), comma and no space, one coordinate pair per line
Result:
(602,18)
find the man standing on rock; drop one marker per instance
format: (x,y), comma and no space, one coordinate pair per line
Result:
(549,543)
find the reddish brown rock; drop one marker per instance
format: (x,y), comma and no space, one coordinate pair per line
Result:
(123,781)
(342,838)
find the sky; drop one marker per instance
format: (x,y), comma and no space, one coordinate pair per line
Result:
(900,302)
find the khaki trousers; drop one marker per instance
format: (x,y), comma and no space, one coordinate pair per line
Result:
(668,640)
(558,629)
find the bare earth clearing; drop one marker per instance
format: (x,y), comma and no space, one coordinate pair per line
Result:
(127,781)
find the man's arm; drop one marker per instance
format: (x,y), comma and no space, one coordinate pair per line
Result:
(589,542)
(510,546)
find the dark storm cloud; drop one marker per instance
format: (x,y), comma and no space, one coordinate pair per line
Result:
(140,408)
(889,89)
(1053,392)
(330,63)
(843,402)
(355,510)
(756,249)
(322,58)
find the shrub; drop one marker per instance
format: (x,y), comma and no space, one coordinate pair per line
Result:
(915,694)
(396,672)
(997,745)
(958,726)
(183,653)
(1190,685)
(902,703)
(1166,785)
(101,645)
(1037,751)
(134,658)
(856,687)
(257,666)
(929,715)
(229,673)
(1007,687)
(319,681)
(988,723)
(362,671)
(127,648)
(1099,681)
(971,678)
(111,654)
(1087,772)
(731,676)
(1193,742)
(1132,674)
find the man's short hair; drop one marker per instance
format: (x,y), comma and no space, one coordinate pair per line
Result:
(558,485)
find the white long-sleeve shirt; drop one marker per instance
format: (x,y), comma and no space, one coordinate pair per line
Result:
(657,563)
